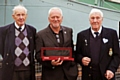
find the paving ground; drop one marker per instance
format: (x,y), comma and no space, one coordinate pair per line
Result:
(38,72)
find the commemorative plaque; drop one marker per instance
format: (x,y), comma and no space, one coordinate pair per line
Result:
(53,53)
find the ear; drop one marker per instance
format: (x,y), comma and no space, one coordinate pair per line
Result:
(49,19)
(26,15)
(102,18)
(62,17)
(13,16)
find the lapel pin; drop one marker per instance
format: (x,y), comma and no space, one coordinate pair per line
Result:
(86,42)
(105,40)
(65,32)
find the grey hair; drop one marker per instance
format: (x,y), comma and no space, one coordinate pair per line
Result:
(54,8)
(19,7)
(96,10)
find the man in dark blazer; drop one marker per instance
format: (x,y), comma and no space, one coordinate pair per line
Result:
(56,35)
(17,48)
(97,50)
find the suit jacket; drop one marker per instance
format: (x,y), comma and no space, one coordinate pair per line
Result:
(7,49)
(109,40)
(45,38)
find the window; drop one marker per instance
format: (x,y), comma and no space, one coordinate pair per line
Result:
(119,29)
(117,1)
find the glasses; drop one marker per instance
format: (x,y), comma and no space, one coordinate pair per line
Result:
(58,38)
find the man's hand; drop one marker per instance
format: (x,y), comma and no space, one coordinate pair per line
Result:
(86,61)
(109,74)
(56,62)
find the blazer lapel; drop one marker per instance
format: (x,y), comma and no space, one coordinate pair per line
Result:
(103,45)
(30,37)
(51,37)
(64,35)
(87,41)
(10,39)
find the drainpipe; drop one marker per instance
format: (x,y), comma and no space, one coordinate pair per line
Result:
(96,2)
(99,2)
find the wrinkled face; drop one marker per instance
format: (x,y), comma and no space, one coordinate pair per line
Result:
(96,20)
(20,17)
(55,18)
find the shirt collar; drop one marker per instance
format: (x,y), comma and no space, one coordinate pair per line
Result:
(61,29)
(22,27)
(99,31)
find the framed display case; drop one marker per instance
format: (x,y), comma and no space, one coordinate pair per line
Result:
(53,53)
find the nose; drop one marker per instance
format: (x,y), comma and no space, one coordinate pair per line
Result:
(95,20)
(21,16)
(56,18)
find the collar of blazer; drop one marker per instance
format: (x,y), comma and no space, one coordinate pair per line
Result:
(104,33)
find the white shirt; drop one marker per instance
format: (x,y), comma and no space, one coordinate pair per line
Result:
(99,31)
(22,27)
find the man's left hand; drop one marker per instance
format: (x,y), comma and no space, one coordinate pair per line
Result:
(109,74)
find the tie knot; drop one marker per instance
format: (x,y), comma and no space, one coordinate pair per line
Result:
(20,28)
(96,33)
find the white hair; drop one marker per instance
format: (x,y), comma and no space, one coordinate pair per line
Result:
(54,8)
(96,10)
(19,7)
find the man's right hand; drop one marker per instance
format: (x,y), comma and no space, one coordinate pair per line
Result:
(86,61)
(56,62)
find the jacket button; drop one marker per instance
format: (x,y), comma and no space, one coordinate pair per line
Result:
(89,75)
(7,54)
(6,63)
(53,67)
(90,67)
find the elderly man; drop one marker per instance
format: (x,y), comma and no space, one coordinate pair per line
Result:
(97,50)
(17,44)
(56,35)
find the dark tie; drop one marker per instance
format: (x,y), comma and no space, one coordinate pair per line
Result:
(96,33)
(20,28)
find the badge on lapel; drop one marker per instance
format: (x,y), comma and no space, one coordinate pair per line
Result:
(110,52)
(105,40)
(65,32)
